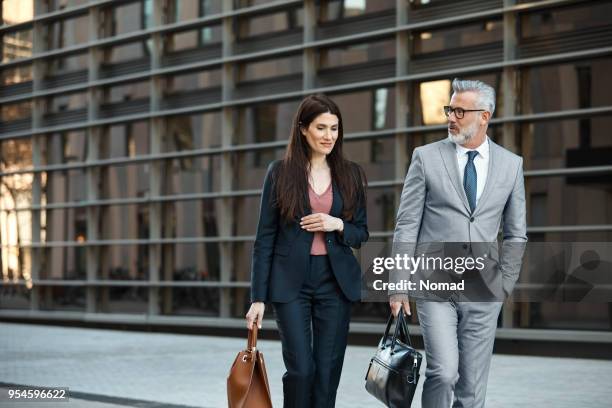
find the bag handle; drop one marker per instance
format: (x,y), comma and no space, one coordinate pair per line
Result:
(397,327)
(406,331)
(252,341)
(387,330)
(400,328)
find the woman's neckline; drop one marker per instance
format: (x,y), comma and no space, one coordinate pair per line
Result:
(323,193)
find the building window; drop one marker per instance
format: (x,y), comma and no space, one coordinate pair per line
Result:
(379,105)
(434,95)
(147,22)
(206,33)
(584,101)
(264,124)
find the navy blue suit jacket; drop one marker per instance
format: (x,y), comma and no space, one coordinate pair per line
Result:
(281,254)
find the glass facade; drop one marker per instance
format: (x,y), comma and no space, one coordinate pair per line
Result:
(135,135)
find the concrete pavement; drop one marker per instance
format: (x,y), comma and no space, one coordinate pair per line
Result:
(106,368)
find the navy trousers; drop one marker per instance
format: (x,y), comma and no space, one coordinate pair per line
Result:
(313,330)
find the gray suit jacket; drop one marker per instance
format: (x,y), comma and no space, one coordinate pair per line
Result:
(434,209)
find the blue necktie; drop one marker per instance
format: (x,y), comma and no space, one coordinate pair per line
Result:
(469,179)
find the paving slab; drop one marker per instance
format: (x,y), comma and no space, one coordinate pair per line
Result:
(112,368)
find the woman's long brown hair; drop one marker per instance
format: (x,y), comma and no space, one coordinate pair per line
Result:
(291,177)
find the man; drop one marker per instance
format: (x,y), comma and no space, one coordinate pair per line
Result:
(460,190)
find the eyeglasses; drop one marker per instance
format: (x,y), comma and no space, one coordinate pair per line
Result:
(459,112)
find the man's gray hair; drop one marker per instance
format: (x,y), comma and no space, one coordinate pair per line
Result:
(486,93)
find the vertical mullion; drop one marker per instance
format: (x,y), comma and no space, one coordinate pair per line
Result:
(38,68)
(93,172)
(224,205)
(509,135)
(156,167)
(309,69)
(402,92)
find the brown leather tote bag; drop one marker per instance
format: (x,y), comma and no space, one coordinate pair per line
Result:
(247,383)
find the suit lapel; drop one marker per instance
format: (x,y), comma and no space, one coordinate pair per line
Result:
(449,157)
(491,175)
(337,203)
(307,209)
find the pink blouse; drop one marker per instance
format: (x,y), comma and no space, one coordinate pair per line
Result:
(320,204)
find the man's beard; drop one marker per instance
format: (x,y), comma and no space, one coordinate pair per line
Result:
(464,135)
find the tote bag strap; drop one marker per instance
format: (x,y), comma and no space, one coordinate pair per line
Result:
(252,341)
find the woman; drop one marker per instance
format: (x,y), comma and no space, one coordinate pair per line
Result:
(313,210)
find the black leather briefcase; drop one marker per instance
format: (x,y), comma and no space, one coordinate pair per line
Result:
(393,373)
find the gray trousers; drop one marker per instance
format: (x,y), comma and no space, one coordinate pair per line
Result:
(458,338)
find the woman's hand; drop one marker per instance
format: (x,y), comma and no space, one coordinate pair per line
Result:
(255,314)
(321,222)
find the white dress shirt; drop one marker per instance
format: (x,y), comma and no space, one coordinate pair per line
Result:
(481,162)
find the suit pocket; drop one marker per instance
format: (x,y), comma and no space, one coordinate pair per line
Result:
(346,249)
(494,253)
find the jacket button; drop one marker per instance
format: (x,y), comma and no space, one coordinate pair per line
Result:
(329,241)
(465,246)
(472,219)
